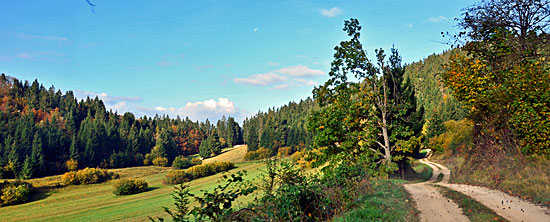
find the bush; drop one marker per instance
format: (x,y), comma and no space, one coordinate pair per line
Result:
(127,187)
(160,161)
(177,177)
(14,193)
(285,151)
(457,137)
(261,153)
(196,161)
(199,171)
(181,162)
(87,176)
(72,165)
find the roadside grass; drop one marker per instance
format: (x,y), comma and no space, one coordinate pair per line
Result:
(515,174)
(439,178)
(423,171)
(388,201)
(96,202)
(475,211)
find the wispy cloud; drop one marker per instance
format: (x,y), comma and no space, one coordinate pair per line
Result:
(436,19)
(40,37)
(255,29)
(299,70)
(39,56)
(203,68)
(261,79)
(333,12)
(409,25)
(282,78)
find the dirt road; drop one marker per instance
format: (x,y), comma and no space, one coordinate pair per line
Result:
(509,207)
(431,204)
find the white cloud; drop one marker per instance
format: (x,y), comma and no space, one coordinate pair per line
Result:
(255,29)
(208,109)
(306,82)
(261,79)
(281,86)
(409,25)
(116,103)
(333,12)
(299,70)
(436,19)
(291,76)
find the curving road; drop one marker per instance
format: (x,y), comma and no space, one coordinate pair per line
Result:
(509,207)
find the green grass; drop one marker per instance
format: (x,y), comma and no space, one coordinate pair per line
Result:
(439,178)
(423,171)
(387,202)
(471,208)
(98,203)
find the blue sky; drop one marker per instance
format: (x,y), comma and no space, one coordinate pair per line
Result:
(204,59)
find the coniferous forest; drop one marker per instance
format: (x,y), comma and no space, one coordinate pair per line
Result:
(45,131)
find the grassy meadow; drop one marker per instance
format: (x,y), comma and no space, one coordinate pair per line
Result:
(97,202)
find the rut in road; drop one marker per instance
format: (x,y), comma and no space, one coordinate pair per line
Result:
(509,207)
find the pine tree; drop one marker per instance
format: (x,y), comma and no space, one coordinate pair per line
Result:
(74,153)
(37,156)
(27,170)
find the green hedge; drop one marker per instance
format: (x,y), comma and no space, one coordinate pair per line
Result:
(88,176)
(127,187)
(195,172)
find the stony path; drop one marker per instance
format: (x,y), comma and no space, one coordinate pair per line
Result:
(509,207)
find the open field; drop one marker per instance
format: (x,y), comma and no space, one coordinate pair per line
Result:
(97,202)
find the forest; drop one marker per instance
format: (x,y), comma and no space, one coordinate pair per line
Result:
(46,132)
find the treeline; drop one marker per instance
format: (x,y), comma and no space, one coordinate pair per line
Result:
(284,127)
(41,129)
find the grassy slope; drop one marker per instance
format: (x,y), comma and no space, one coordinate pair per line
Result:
(525,177)
(97,202)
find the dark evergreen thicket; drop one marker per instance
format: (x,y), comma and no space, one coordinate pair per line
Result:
(281,127)
(41,129)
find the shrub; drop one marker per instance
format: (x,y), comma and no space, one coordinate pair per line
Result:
(181,162)
(196,161)
(209,169)
(198,171)
(14,193)
(458,135)
(177,177)
(87,176)
(261,153)
(127,187)
(160,161)
(72,165)
(285,151)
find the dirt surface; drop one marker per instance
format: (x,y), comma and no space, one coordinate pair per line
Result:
(432,205)
(509,207)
